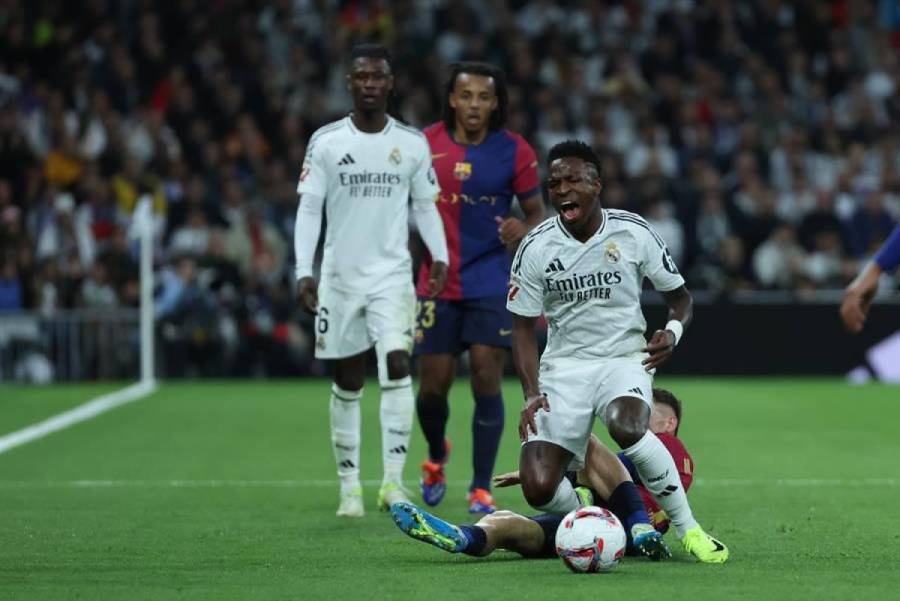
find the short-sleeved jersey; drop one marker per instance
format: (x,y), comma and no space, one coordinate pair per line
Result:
(367,181)
(477,185)
(590,292)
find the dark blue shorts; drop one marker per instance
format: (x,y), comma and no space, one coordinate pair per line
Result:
(452,326)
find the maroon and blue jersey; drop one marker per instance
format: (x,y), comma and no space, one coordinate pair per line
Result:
(478,183)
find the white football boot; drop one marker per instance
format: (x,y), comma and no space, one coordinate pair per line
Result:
(351,504)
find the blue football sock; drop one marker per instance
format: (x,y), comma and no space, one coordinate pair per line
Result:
(433,411)
(476,539)
(626,503)
(487,428)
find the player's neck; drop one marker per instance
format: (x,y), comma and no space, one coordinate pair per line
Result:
(590,227)
(369,122)
(461,136)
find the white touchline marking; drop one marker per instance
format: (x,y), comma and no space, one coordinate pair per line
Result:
(701,482)
(83,412)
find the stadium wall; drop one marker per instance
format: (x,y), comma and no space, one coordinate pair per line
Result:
(775,338)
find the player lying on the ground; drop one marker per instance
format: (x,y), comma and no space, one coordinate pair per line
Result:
(534,536)
(583,271)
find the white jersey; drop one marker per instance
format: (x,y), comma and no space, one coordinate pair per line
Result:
(367,181)
(590,292)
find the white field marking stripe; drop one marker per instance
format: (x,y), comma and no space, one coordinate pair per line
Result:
(720,483)
(83,412)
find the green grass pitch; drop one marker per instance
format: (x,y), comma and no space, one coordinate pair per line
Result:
(226,490)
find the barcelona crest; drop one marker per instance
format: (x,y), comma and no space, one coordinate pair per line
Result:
(462,171)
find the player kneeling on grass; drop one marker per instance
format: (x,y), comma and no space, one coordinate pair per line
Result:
(534,536)
(583,271)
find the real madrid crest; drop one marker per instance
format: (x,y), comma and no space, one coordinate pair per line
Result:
(394,158)
(612,253)
(462,171)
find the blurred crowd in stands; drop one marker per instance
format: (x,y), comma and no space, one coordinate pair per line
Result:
(760,137)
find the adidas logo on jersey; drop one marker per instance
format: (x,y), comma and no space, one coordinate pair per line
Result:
(555,265)
(347,160)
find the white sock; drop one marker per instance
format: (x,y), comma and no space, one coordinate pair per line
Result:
(660,476)
(345,435)
(564,499)
(397,406)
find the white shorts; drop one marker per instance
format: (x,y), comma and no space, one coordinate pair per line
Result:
(578,391)
(349,324)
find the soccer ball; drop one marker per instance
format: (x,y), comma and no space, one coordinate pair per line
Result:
(590,539)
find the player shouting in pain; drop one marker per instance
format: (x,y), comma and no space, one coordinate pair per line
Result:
(367,166)
(584,270)
(480,166)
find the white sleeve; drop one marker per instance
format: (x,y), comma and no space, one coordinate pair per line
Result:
(658,264)
(313,176)
(526,288)
(424,184)
(306,233)
(431,228)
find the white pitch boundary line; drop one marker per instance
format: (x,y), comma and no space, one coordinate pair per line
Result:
(701,482)
(81,413)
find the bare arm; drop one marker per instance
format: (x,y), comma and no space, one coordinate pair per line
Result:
(512,229)
(858,297)
(525,353)
(662,343)
(681,305)
(525,357)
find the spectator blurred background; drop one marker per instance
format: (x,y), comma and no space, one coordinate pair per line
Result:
(760,137)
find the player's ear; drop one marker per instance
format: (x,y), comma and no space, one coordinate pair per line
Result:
(349,78)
